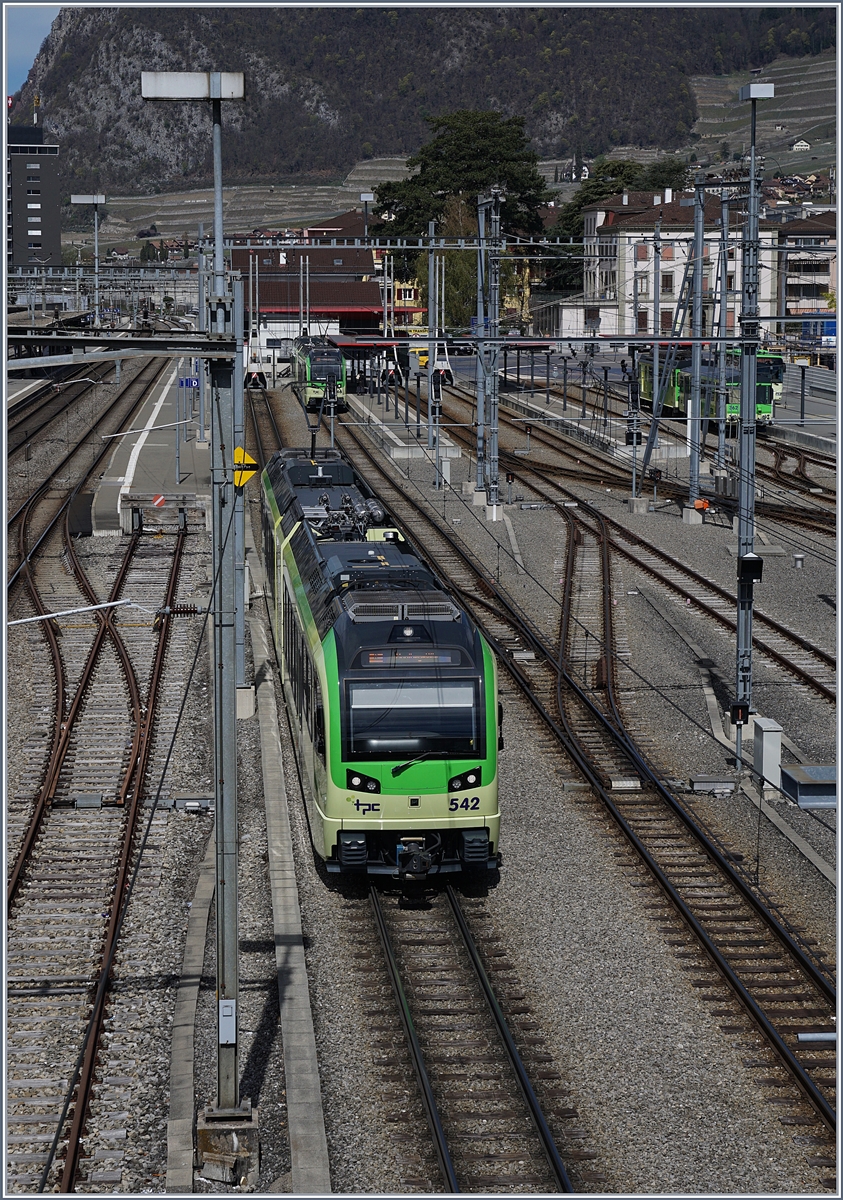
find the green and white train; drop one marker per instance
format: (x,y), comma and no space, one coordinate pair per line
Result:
(677,388)
(319,374)
(391,688)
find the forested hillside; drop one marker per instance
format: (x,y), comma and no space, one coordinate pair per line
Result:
(328,86)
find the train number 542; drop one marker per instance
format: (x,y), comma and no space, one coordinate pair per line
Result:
(472,802)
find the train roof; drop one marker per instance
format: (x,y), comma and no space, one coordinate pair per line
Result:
(352,563)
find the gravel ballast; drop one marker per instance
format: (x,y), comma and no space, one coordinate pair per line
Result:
(661,1089)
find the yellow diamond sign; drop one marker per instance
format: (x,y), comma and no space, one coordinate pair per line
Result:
(248,465)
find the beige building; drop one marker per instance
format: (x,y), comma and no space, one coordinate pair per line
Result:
(619,268)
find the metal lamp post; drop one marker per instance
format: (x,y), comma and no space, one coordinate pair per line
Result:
(217,86)
(96,200)
(749,563)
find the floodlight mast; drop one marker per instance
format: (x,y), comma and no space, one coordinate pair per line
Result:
(217,86)
(96,200)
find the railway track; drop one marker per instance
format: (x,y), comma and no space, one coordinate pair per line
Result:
(77,850)
(32,415)
(798,480)
(808,663)
(747,954)
(263,423)
(42,511)
(587,464)
(488,1128)
(488,1089)
(617,402)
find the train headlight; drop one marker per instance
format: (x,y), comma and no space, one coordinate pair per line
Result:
(470,778)
(358,782)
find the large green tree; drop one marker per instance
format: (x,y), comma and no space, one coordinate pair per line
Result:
(459,220)
(469,153)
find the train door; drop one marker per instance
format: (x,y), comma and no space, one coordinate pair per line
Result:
(320,776)
(299,687)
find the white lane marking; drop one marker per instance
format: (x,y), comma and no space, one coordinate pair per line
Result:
(139,444)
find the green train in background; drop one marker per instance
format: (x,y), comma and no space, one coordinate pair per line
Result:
(391,688)
(677,390)
(319,374)
(769,383)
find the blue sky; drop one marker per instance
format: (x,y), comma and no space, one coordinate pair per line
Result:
(26,27)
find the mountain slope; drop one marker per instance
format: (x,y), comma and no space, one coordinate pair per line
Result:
(326,87)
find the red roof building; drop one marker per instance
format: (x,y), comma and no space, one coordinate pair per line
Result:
(341,263)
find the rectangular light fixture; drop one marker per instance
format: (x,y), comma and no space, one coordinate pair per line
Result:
(192,85)
(757,91)
(98,199)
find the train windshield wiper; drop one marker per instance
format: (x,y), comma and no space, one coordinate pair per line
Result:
(421,758)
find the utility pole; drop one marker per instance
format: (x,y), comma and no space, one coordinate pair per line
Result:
(385,297)
(431,336)
(216,86)
(223,372)
(721,349)
(749,563)
(96,200)
(201,324)
(494,346)
(480,368)
(657,278)
(239,501)
(694,415)
(367,198)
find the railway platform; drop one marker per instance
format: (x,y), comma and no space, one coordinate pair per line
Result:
(818,430)
(143,465)
(398,424)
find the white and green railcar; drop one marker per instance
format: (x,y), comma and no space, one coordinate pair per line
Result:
(391,688)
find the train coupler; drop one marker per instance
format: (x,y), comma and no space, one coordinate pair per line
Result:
(413,858)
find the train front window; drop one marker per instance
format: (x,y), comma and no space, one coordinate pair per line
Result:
(323,365)
(396,721)
(770,372)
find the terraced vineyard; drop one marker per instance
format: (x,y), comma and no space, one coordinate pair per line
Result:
(248,206)
(804,105)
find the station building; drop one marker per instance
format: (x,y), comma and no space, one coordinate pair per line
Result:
(333,290)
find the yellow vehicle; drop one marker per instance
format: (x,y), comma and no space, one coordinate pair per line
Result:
(422,354)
